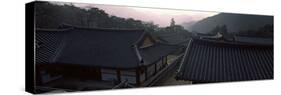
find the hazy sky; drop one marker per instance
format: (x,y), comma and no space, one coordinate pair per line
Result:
(162,17)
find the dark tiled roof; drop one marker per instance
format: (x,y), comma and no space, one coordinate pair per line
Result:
(174,37)
(99,47)
(207,61)
(109,48)
(255,40)
(154,53)
(47,43)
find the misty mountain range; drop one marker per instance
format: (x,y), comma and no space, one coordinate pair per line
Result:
(234,22)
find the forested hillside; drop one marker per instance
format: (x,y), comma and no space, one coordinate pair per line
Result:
(50,15)
(240,24)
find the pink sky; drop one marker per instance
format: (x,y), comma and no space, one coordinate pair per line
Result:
(162,17)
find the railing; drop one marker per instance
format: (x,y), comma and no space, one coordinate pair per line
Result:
(123,84)
(162,73)
(185,54)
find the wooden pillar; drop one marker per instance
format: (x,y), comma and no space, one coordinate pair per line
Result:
(155,68)
(118,75)
(162,60)
(166,60)
(145,73)
(38,76)
(99,74)
(137,76)
(162,63)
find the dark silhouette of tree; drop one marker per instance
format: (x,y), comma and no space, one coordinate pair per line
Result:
(173,23)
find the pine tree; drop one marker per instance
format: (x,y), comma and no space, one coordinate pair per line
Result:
(172,22)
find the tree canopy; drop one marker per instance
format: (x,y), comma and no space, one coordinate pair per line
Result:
(50,15)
